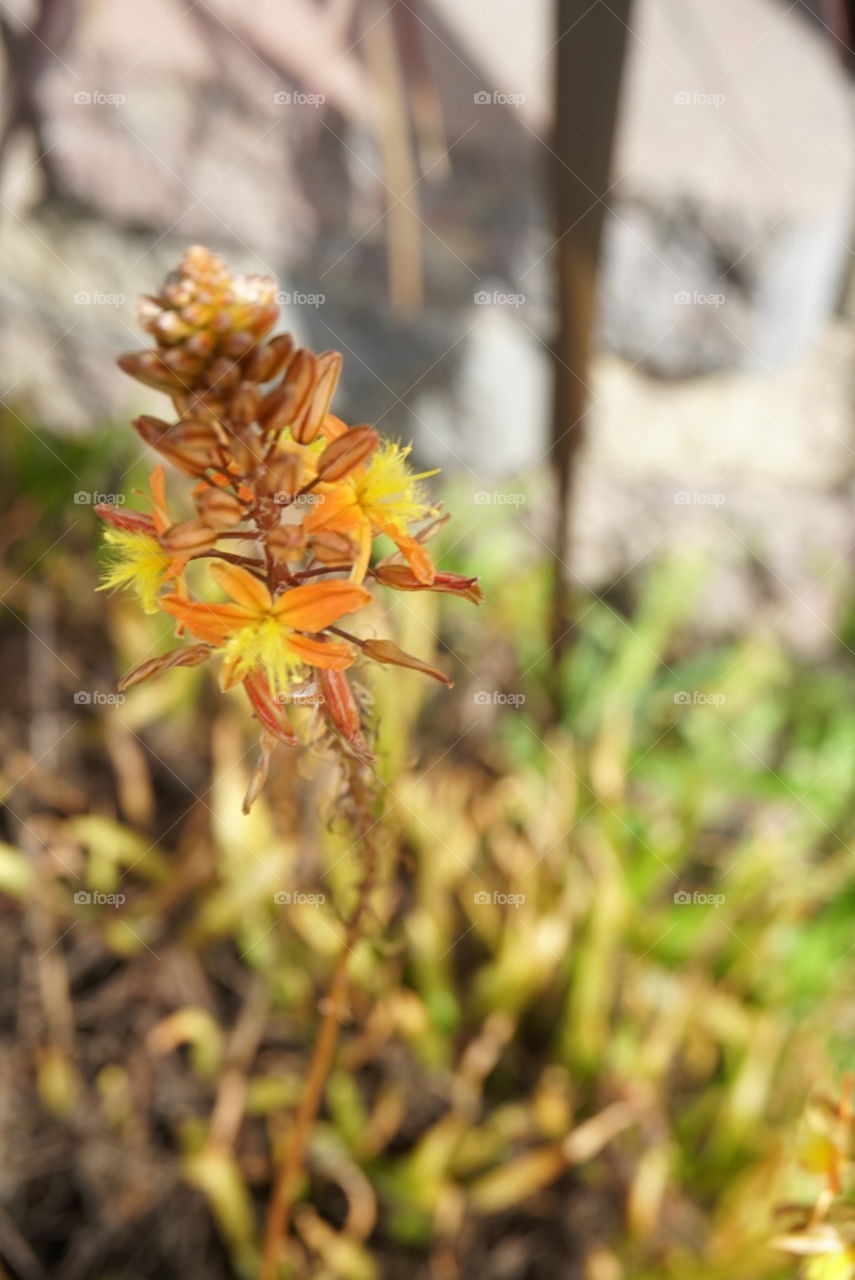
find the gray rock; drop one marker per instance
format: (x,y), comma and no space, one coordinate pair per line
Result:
(732,199)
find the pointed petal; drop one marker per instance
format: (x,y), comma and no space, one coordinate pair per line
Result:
(266,742)
(243,587)
(212,623)
(332,656)
(317,604)
(414,553)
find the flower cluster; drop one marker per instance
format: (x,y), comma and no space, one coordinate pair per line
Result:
(289,501)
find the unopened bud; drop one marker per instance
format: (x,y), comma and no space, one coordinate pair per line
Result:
(347,453)
(188,535)
(219,508)
(311,417)
(387,652)
(286,542)
(283,475)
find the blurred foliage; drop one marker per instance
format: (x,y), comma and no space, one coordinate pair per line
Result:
(611,958)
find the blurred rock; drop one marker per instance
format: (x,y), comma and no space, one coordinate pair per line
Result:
(735,170)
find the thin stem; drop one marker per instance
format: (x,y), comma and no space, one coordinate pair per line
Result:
(282,1201)
(246,562)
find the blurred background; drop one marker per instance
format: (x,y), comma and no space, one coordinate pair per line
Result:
(595,259)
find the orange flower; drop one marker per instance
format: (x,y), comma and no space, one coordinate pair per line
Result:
(256,632)
(382,496)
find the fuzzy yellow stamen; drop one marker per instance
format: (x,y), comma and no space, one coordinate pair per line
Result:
(388,492)
(135,560)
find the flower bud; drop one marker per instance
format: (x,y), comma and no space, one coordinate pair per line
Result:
(187,536)
(401,578)
(283,475)
(219,508)
(309,420)
(342,711)
(286,542)
(387,652)
(347,453)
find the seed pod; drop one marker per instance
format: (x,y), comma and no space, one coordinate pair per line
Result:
(387,652)
(308,423)
(219,508)
(347,453)
(188,536)
(286,542)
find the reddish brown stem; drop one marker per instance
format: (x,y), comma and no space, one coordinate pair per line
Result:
(282,1201)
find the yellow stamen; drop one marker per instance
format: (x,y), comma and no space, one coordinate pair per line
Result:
(138,561)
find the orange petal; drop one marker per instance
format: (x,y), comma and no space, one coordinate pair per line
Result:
(414,553)
(212,623)
(333,427)
(316,604)
(333,509)
(333,656)
(244,588)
